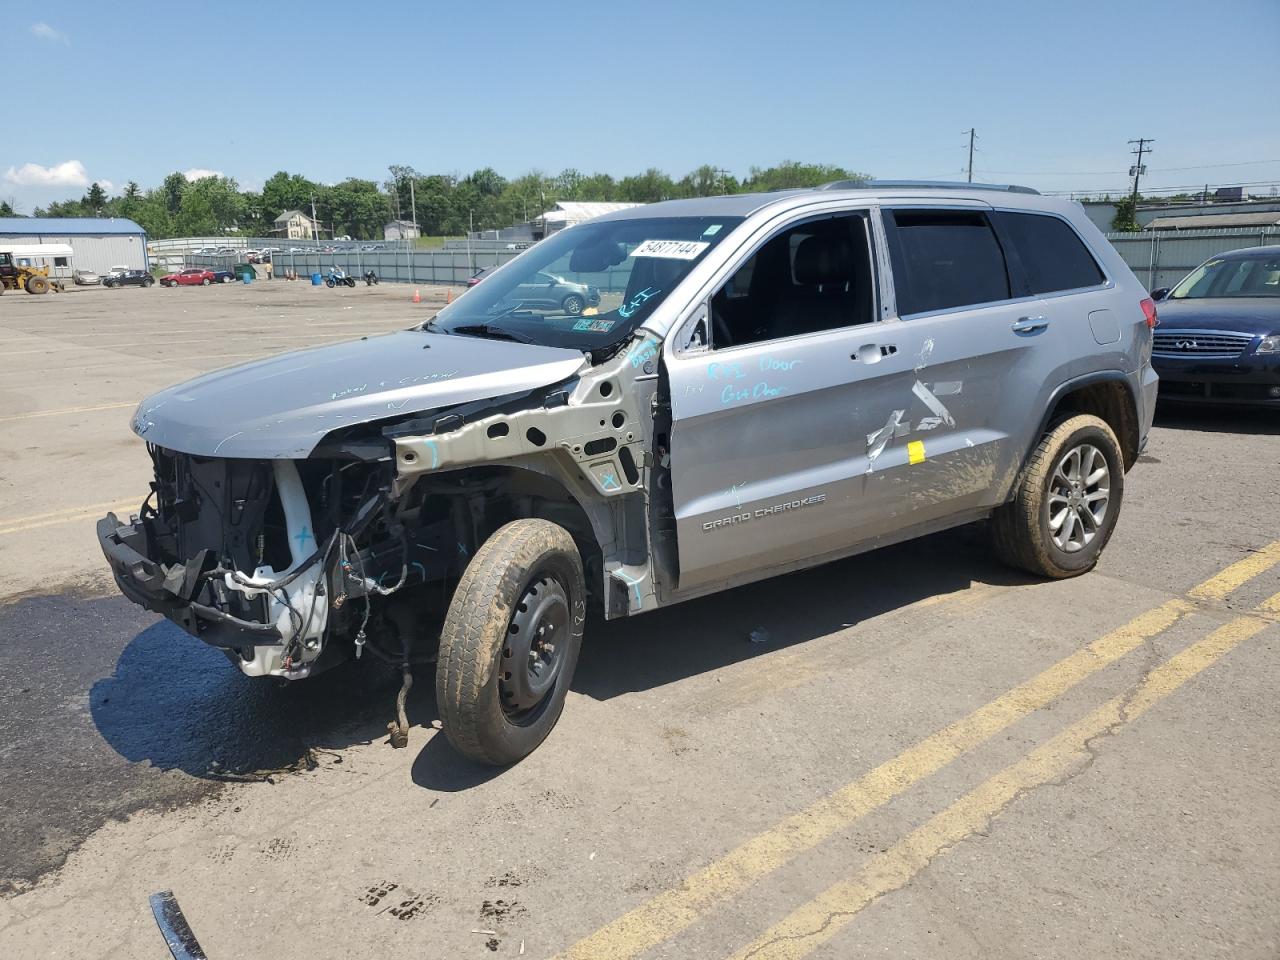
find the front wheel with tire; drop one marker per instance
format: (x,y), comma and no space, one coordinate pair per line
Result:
(1066,503)
(510,642)
(350,281)
(329,283)
(573,304)
(205,282)
(225,279)
(37,285)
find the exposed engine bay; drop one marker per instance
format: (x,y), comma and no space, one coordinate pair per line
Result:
(291,565)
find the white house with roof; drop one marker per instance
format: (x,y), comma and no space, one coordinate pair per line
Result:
(295,225)
(401,230)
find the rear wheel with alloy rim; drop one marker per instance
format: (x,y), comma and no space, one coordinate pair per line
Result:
(1066,503)
(510,642)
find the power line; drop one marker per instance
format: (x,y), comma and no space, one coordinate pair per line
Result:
(1174,187)
(1104,173)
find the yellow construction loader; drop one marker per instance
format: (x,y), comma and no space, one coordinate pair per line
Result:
(21,268)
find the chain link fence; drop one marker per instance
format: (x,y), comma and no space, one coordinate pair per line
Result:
(1160,258)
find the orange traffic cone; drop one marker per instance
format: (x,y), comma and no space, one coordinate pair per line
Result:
(448,296)
(417,297)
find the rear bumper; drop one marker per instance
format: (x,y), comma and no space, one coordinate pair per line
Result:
(167,589)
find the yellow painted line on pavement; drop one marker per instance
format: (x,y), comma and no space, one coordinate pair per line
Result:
(819,920)
(93,511)
(66,410)
(674,910)
(1217,587)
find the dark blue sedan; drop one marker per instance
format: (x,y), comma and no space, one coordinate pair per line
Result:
(1219,335)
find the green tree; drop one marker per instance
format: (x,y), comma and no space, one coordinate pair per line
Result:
(220,196)
(287,191)
(6,208)
(1125,219)
(95,200)
(598,187)
(708,181)
(648,187)
(354,207)
(174,186)
(196,216)
(790,175)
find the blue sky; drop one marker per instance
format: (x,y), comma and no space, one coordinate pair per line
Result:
(333,90)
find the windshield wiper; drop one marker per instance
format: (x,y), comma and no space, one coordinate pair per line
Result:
(490,330)
(432,326)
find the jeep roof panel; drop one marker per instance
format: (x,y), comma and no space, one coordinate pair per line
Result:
(745,204)
(924,185)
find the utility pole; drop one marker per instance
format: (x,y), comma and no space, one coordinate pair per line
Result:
(413,206)
(972,136)
(1137,170)
(315,224)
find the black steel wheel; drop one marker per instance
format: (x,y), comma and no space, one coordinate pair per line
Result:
(510,642)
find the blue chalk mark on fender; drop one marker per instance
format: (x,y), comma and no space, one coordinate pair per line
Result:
(635,585)
(435,453)
(609,481)
(303,536)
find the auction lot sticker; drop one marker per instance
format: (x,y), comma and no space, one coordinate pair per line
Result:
(670,249)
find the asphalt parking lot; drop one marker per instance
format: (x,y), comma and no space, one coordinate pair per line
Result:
(931,756)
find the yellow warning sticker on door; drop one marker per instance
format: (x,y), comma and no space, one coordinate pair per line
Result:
(915,451)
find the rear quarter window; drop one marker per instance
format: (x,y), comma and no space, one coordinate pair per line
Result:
(1053,256)
(945,259)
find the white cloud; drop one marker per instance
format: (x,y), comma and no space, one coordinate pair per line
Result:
(52,34)
(106,185)
(199,173)
(71,173)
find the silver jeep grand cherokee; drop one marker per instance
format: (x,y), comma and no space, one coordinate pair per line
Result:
(767,383)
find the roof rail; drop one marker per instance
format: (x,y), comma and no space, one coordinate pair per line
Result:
(923,184)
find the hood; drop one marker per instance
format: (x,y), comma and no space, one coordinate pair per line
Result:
(1256,315)
(283,406)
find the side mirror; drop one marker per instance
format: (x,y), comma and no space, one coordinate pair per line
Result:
(1160,293)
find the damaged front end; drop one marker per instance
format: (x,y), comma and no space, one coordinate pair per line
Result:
(264,558)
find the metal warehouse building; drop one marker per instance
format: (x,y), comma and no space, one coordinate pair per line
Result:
(97,243)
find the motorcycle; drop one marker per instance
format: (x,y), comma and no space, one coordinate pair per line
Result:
(337,278)
(370,278)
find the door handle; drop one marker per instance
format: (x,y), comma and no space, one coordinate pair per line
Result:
(1029,324)
(874,352)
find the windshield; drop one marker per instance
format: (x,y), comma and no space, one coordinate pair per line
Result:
(587,287)
(1243,277)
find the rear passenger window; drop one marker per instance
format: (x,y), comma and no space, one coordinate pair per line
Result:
(1052,254)
(943,259)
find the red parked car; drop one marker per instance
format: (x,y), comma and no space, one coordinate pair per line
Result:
(195,276)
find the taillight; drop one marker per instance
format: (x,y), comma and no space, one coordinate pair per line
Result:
(1149,311)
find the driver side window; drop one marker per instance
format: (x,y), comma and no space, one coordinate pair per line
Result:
(811,277)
